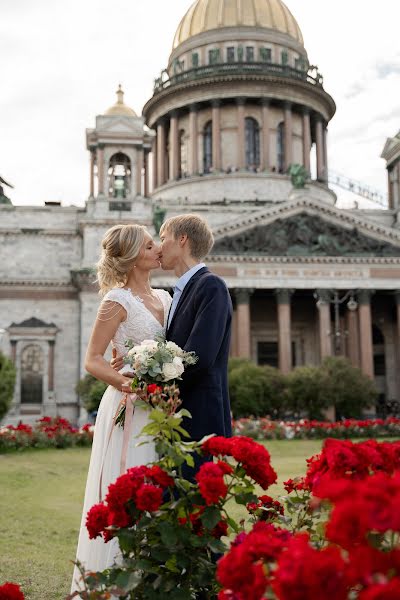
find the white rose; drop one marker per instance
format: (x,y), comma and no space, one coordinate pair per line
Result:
(174,348)
(178,365)
(169,371)
(149,344)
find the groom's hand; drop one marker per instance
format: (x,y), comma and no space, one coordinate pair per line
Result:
(117,362)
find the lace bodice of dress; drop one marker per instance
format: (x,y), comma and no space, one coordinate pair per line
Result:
(140,323)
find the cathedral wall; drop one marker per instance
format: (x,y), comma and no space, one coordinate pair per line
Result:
(30,256)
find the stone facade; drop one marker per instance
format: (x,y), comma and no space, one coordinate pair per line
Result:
(227,121)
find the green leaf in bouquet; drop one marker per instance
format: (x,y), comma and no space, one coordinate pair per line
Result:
(128,581)
(157,415)
(189,460)
(160,553)
(211,516)
(150,429)
(233,525)
(126,539)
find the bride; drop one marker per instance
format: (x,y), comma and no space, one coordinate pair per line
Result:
(130,309)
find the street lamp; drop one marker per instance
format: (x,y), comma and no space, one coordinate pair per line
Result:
(335,299)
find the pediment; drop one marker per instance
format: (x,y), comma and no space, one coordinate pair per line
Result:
(130,125)
(33,322)
(307,230)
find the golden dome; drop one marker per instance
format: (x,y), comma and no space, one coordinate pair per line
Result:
(205,15)
(119,108)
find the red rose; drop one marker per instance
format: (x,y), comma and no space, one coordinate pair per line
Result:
(303,572)
(97,520)
(212,487)
(217,446)
(152,388)
(11,591)
(389,590)
(149,497)
(159,476)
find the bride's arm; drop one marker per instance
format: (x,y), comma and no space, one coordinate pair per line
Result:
(103,331)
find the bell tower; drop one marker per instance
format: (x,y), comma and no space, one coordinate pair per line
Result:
(119,149)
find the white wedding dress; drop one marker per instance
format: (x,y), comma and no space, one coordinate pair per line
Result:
(139,325)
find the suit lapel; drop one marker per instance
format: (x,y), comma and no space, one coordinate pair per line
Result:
(185,292)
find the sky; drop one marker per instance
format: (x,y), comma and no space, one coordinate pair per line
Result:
(61,62)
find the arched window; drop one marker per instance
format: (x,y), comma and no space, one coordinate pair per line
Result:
(207,147)
(32,371)
(280,147)
(252,143)
(119,176)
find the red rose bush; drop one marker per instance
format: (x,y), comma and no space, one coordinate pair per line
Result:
(11,591)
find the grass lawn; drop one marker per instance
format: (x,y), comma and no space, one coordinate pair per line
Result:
(41,495)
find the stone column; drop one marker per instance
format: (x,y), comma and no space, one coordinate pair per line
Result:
(306,139)
(139,171)
(265,146)
(365,324)
(353,347)
(92,161)
(325,333)
(243,322)
(51,366)
(241,133)
(193,141)
(154,164)
(284,330)
(216,135)
(320,149)
(146,174)
(161,153)
(174,157)
(398,338)
(288,134)
(100,169)
(14,351)
(325,138)
(233,348)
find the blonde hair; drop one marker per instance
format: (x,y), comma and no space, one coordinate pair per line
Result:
(121,245)
(199,233)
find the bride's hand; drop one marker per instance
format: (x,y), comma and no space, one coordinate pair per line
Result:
(126,385)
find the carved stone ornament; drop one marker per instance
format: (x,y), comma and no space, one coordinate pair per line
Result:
(303,235)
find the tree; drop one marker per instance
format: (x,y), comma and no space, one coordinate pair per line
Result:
(91,391)
(256,390)
(305,392)
(346,388)
(7,383)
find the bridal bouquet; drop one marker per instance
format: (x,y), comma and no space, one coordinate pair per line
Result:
(157,365)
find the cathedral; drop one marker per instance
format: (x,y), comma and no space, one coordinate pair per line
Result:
(236,131)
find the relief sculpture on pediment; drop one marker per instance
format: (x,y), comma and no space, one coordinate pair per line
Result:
(304,235)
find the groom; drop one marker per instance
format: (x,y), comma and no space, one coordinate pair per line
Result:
(200,321)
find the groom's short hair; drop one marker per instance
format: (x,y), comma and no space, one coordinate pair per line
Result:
(199,233)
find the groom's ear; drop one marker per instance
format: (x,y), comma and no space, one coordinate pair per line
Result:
(183,239)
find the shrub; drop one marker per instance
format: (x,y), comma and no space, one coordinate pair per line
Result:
(305,392)
(7,382)
(91,391)
(256,390)
(346,388)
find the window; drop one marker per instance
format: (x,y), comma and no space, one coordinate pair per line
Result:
(266,55)
(32,371)
(280,147)
(207,147)
(230,54)
(267,354)
(284,57)
(252,143)
(300,64)
(249,54)
(213,56)
(195,60)
(240,52)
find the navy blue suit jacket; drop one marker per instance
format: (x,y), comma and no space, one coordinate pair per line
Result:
(202,323)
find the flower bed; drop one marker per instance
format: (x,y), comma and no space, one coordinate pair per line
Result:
(48,432)
(266,429)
